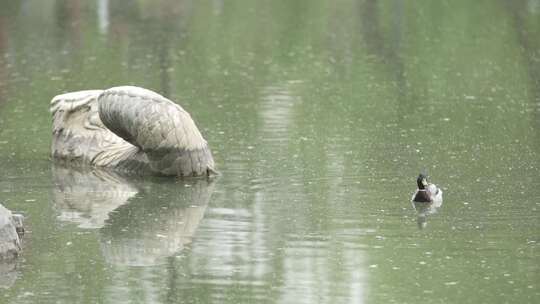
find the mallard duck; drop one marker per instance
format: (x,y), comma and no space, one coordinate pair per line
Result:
(426,192)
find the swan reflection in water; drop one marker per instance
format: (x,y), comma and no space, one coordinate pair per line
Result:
(140,222)
(423,210)
(8,273)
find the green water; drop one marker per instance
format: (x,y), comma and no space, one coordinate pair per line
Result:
(320,115)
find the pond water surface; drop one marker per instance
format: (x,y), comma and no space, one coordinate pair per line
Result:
(320,115)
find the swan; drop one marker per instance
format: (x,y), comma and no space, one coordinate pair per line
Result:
(426,192)
(128,128)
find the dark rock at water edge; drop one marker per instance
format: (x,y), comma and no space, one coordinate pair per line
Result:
(11,230)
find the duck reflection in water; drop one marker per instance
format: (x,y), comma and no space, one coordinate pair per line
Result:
(140,222)
(425,209)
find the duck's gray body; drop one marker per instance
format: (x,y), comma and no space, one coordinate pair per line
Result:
(433,195)
(128,128)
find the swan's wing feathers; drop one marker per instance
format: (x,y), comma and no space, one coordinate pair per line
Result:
(148,120)
(161,128)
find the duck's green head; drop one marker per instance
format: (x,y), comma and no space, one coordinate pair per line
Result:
(422,181)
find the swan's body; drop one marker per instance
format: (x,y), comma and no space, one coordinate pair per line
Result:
(426,192)
(128,128)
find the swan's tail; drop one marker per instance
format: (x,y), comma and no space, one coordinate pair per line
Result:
(182,162)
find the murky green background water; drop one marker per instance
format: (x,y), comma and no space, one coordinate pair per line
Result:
(320,115)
